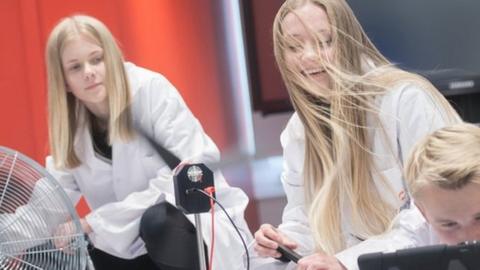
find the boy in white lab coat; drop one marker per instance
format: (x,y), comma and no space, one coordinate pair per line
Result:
(443,175)
(443,178)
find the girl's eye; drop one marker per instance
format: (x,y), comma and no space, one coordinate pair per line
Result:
(75,67)
(294,48)
(97,59)
(325,44)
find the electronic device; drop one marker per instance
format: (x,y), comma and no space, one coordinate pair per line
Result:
(189,178)
(288,254)
(464,256)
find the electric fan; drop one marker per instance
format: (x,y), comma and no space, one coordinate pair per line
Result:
(32,206)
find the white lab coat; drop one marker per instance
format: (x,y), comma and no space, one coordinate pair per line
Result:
(119,193)
(407,113)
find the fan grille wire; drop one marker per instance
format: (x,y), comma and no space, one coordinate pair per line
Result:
(32,206)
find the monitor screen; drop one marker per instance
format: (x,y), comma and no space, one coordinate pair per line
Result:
(424,35)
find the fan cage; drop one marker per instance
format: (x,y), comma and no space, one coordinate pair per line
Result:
(35,214)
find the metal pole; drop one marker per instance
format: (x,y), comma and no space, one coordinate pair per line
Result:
(201,249)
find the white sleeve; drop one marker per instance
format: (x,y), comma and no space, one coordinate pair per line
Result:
(65,179)
(173,125)
(418,115)
(295,217)
(409,230)
(116,225)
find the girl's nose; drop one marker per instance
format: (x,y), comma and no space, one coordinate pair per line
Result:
(89,73)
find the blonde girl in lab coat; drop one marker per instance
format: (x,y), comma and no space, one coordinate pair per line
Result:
(356,119)
(95,100)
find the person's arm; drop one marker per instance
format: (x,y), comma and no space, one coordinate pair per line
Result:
(168,120)
(65,179)
(294,231)
(295,217)
(188,139)
(418,115)
(409,230)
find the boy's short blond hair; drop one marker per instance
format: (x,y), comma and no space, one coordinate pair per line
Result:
(448,158)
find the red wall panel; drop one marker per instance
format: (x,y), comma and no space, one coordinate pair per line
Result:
(175,37)
(15,107)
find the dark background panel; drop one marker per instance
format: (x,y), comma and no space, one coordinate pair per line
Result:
(436,38)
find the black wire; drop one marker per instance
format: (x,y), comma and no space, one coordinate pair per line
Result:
(233,223)
(170,158)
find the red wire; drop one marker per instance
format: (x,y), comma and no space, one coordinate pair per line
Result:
(210,191)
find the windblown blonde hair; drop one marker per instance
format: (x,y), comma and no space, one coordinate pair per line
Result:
(339,168)
(448,158)
(65,111)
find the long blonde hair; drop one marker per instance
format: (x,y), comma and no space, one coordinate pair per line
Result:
(338,166)
(65,111)
(448,158)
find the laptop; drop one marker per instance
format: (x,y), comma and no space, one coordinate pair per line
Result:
(464,256)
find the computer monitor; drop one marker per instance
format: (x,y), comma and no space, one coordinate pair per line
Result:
(465,256)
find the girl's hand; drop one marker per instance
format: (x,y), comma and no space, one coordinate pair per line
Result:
(319,261)
(267,239)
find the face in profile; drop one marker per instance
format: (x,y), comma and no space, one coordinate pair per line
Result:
(308,42)
(453,214)
(84,69)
